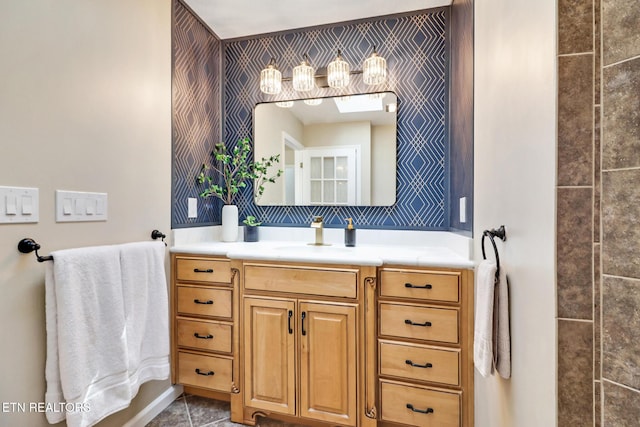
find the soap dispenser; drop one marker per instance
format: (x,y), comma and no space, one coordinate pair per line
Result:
(349,234)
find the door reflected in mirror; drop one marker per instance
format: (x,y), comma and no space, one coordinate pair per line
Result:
(338,151)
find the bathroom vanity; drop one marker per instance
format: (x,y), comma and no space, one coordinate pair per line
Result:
(325,336)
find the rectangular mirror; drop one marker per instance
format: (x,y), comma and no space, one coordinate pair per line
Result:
(333,151)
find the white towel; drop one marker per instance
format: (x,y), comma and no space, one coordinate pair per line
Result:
(146,311)
(502,333)
(483,333)
(102,342)
(86,364)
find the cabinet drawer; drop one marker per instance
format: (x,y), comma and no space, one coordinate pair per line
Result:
(210,372)
(420,363)
(302,280)
(210,336)
(424,323)
(431,408)
(203,270)
(204,301)
(420,285)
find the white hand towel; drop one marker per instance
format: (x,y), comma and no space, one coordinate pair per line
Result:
(146,311)
(502,335)
(85,316)
(53,393)
(483,333)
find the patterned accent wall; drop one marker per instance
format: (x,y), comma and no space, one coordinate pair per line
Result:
(461,111)
(197,118)
(416,49)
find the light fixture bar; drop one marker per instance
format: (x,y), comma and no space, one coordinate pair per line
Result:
(337,74)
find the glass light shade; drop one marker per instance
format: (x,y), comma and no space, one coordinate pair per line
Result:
(313,102)
(271,79)
(338,72)
(303,77)
(284,104)
(374,69)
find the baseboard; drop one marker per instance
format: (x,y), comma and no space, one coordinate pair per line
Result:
(154,408)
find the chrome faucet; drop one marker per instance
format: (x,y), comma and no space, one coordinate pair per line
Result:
(318,224)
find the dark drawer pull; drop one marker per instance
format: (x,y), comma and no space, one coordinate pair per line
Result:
(304,315)
(289,321)
(203,337)
(409,322)
(206,374)
(422,411)
(208,270)
(208,302)
(415,365)
(409,285)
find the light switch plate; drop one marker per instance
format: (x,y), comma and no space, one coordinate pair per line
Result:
(80,206)
(19,205)
(463,209)
(192,207)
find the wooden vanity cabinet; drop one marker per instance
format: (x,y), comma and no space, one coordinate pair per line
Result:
(304,344)
(326,356)
(425,347)
(325,344)
(204,332)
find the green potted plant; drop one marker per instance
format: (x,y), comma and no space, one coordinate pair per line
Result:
(230,171)
(251,228)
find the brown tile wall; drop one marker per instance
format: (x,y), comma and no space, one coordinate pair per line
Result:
(598,212)
(576,227)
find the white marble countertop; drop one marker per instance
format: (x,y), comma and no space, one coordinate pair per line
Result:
(296,251)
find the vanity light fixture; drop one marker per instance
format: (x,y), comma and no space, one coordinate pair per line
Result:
(271,79)
(374,69)
(338,72)
(313,102)
(303,76)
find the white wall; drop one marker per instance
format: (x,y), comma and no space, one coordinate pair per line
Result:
(515,116)
(272,121)
(383,165)
(347,133)
(85,105)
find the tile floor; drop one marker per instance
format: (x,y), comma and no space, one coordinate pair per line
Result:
(194,411)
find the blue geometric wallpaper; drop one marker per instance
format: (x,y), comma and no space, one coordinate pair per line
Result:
(416,49)
(197,112)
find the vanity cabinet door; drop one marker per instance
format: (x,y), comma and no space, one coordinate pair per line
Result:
(328,362)
(269,354)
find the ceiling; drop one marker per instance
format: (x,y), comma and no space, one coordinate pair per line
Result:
(240,18)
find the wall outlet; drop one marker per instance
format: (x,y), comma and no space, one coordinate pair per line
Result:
(463,209)
(192,207)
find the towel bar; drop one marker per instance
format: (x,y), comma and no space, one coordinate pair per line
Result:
(28,245)
(501,234)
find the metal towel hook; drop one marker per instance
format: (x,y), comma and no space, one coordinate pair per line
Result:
(501,234)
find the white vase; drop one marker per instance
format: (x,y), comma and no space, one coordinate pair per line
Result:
(229,223)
